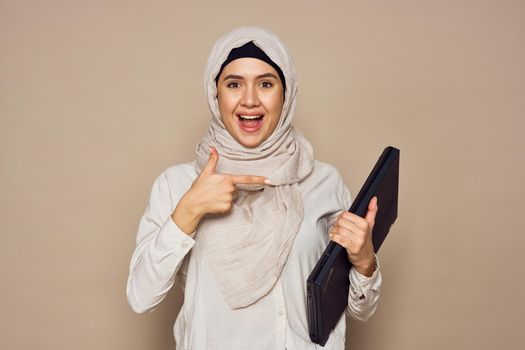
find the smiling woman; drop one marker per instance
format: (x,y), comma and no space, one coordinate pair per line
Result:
(250,96)
(244,224)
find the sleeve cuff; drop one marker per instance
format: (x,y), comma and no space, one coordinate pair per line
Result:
(360,285)
(172,239)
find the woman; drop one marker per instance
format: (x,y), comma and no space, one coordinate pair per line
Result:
(243,226)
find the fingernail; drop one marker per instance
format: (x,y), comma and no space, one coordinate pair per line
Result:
(268,181)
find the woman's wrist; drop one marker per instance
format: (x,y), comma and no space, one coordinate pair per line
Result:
(367,268)
(185,216)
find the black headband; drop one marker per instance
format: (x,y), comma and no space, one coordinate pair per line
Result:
(251,50)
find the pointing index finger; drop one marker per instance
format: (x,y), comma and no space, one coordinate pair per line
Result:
(249,179)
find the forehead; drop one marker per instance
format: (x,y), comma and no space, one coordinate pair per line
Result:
(247,67)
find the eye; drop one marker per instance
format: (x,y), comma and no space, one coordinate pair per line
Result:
(266,84)
(233,84)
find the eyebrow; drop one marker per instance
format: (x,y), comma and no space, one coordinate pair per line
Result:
(239,77)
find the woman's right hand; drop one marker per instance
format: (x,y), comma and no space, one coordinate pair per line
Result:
(210,193)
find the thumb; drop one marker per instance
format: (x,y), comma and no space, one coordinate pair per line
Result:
(212,161)
(372,211)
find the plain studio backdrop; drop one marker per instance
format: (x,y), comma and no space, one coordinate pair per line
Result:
(97,98)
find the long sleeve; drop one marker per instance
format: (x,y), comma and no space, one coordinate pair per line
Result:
(363,295)
(160,249)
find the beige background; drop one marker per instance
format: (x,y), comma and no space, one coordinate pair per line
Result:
(98,97)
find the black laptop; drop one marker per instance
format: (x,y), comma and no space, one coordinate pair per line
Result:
(328,284)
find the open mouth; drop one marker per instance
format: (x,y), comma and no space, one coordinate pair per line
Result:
(250,123)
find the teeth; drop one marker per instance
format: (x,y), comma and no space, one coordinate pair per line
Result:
(250,117)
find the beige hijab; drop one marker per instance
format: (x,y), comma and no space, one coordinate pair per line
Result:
(247,248)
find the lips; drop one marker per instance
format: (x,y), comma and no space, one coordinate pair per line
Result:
(250,123)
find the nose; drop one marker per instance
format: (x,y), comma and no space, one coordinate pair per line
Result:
(250,97)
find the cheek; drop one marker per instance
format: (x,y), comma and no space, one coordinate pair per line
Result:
(227,105)
(275,106)
(223,104)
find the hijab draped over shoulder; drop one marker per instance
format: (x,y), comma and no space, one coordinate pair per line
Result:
(247,247)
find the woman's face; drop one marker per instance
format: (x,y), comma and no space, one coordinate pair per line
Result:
(250,96)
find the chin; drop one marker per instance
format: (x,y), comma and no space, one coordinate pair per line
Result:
(250,142)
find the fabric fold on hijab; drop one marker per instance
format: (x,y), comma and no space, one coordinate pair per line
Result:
(247,248)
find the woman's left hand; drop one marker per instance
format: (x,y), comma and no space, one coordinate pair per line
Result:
(354,233)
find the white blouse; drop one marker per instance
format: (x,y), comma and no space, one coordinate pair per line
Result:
(277,321)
